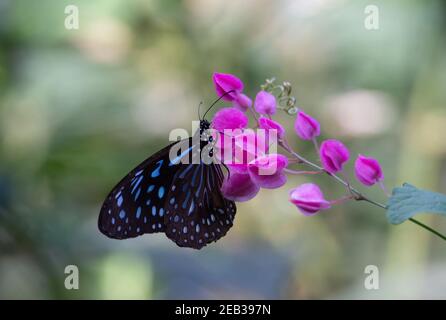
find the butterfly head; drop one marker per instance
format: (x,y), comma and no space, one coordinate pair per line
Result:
(204,125)
(205,134)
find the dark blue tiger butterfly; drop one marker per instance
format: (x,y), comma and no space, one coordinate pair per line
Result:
(166,195)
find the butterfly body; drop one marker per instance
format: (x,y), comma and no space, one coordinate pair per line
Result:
(166,193)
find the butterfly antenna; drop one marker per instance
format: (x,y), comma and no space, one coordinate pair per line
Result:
(199,108)
(213,104)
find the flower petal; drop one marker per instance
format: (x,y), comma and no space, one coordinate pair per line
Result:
(242,102)
(239,187)
(307,128)
(368,170)
(229,118)
(334,154)
(309,199)
(225,82)
(265,103)
(267,171)
(268,125)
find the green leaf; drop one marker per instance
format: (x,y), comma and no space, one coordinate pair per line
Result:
(406,201)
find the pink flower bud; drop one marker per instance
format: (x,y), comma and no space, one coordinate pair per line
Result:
(333,155)
(368,171)
(265,103)
(242,102)
(226,82)
(268,124)
(309,199)
(229,118)
(307,128)
(239,187)
(267,171)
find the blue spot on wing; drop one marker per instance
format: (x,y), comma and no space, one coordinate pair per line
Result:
(137,194)
(120,200)
(192,207)
(136,184)
(161,192)
(194,177)
(186,200)
(156,172)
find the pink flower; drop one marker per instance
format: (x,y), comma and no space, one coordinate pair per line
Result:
(265,103)
(368,171)
(268,124)
(307,128)
(236,148)
(309,199)
(246,147)
(242,102)
(333,155)
(229,118)
(223,143)
(239,187)
(224,82)
(267,171)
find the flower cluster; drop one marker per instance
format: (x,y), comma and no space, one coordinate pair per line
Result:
(253,163)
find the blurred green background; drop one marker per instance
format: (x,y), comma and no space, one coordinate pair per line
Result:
(80,108)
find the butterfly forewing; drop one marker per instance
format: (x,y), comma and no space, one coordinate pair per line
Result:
(136,204)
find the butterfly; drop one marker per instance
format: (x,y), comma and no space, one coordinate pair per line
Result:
(173,191)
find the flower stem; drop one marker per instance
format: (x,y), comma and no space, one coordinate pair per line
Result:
(291,171)
(422,225)
(343,199)
(316,145)
(357,195)
(251,109)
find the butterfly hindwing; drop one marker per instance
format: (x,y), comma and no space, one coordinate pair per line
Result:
(136,204)
(196,211)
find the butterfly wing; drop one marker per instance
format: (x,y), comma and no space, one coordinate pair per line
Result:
(136,204)
(160,195)
(196,211)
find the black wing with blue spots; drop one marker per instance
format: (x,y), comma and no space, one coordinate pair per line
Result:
(162,195)
(196,211)
(136,204)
